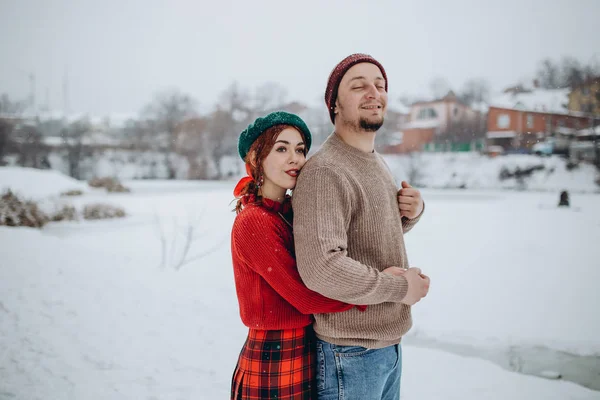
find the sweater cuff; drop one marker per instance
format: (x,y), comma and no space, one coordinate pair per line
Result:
(407,223)
(398,287)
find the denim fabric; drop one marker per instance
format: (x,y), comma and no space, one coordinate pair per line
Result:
(357,373)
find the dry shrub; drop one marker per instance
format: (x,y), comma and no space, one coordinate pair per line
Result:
(15,211)
(102,211)
(65,213)
(75,192)
(110,184)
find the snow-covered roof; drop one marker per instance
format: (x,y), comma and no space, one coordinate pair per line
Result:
(501,134)
(540,100)
(481,107)
(94,138)
(564,130)
(114,120)
(588,131)
(398,106)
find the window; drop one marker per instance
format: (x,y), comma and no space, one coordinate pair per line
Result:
(455,112)
(503,121)
(427,113)
(529,121)
(585,91)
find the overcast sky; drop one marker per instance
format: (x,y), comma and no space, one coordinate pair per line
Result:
(118,53)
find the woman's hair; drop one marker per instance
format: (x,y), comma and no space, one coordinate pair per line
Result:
(259,150)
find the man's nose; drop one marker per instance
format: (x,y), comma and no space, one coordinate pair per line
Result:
(373,92)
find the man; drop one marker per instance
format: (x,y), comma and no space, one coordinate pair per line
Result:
(349,220)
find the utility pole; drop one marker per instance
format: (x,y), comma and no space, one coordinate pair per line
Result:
(32,92)
(596,144)
(65,90)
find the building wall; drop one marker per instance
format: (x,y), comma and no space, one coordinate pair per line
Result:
(524,121)
(447,111)
(412,140)
(440,108)
(586,97)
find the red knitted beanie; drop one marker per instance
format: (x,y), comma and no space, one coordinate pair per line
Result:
(337,74)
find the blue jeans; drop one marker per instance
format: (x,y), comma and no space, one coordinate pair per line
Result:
(357,373)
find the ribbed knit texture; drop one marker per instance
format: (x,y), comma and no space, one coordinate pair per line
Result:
(347,229)
(270,291)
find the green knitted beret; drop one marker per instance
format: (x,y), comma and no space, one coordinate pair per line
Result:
(261,124)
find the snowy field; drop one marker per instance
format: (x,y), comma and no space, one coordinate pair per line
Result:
(475,171)
(101,310)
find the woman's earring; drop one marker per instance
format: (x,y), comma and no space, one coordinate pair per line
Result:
(260,181)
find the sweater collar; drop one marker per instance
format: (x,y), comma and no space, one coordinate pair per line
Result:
(285,207)
(336,141)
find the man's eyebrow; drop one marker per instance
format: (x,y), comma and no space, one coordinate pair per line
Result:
(356,78)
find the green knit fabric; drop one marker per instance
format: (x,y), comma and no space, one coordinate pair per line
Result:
(254,130)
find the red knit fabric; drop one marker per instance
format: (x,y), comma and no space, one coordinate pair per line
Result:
(333,83)
(270,292)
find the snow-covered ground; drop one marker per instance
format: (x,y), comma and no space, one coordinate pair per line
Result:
(432,170)
(96,310)
(476,171)
(38,184)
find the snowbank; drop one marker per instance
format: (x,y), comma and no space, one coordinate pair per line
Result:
(38,184)
(476,171)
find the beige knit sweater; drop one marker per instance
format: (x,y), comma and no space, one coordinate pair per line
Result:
(347,228)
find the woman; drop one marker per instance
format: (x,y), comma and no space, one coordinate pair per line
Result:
(277,360)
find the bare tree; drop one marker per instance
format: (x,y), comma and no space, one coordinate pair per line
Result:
(414,169)
(439,87)
(177,243)
(137,134)
(163,115)
(193,144)
(235,111)
(33,152)
(9,116)
(548,75)
(568,72)
(223,130)
(317,118)
(73,139)
(6,128)
(463,130)
(476,90)
(572,72)
(237,100)
(268,97)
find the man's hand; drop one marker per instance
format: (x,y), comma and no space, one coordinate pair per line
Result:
(418,283)
(394,271)
(410,202)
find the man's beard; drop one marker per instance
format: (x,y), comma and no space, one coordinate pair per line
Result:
(370,126)
(363,124)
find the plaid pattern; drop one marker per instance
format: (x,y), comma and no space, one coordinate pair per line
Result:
(276,364)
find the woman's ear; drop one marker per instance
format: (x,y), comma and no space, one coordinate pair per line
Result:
(252,158)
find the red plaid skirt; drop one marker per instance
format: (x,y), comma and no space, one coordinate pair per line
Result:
(276,365)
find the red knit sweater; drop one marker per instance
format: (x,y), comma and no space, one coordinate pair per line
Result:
(270,292)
